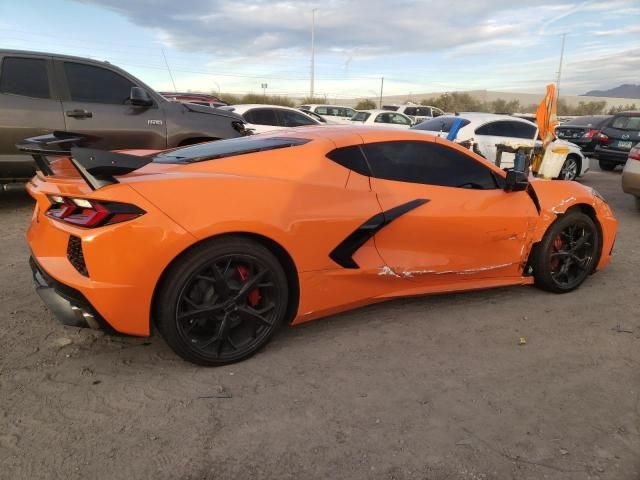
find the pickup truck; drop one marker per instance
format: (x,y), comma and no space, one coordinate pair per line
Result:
(42,92)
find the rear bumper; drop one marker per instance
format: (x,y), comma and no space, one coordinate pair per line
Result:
(631,178)
(68,305)
(612,156)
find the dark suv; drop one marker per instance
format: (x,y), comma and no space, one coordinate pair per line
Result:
(41,93)
(616,138)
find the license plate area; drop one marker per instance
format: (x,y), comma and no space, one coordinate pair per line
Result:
(624,144)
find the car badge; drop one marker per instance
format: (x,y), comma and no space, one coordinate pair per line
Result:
(625,136)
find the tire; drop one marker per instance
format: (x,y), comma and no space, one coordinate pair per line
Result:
(606,165)
(222,301)
(570,169)
(563,260)
(638,203)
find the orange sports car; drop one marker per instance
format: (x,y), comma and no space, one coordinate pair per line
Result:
(219,244)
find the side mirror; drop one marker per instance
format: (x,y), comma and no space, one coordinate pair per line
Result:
(140,98)
(516,181)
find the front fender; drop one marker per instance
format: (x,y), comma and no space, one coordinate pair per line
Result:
(556,197)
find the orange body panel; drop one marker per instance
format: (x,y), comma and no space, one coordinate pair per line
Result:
(298,198)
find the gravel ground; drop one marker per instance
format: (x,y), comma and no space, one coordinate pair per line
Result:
(424,388)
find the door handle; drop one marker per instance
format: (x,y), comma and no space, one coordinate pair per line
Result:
(79,113)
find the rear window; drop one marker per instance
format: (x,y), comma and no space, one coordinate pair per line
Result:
(360,117)
(440,124)
(627,123)
(226,148)
(589,121)
(25,76)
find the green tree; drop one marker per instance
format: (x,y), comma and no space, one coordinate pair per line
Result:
(366,104)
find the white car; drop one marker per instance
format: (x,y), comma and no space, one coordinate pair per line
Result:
(382,118)
(487,129)
(267,118)
(334,113)
(418,113)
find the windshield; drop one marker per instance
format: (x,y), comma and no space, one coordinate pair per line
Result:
(360,117)
(226,148)
(440,124)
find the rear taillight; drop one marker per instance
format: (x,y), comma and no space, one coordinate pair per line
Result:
(634,154)
(90,213)
(602,138)
(590,134)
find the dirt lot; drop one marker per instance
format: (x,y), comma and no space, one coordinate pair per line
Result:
(427,388)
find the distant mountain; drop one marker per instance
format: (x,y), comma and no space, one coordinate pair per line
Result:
(623,91)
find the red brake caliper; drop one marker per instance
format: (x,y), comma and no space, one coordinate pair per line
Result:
(254,295)
(557,245)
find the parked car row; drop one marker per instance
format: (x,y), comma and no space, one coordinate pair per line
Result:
(486,130)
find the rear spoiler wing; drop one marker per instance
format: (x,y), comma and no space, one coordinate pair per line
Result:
(96,167)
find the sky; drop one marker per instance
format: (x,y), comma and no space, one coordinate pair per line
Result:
(417,46)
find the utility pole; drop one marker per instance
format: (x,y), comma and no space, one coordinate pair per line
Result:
(169,70)
(313,51)
(381,87)
(564,36)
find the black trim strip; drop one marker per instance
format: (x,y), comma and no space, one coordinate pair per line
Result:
(343,253)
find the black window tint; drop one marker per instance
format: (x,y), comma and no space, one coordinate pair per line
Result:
(96,85)
(350,157)
(441,124)
(427,163)
(498,129)
(293,119)
(523,130)
(261,116)
(422,112)
(226,148)
(25,76)
(410,111)
(360,117)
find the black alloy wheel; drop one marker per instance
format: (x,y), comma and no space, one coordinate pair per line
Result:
(568,253)
(222,302)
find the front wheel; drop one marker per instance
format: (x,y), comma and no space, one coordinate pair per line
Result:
(567,253)
(221,302)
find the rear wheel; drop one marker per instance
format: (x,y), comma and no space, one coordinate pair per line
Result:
(567,254)
(222,301)
(606,165)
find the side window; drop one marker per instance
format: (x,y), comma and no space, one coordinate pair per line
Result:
(261,116)
(321,110)
(399,119)
(523,130)
(496,129)
(427,163)
(383,118)
(88,83)
(293,119)
(25,76)
(351,158)
(410,111)
(349,112)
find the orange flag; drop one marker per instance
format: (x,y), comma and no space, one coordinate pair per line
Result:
(546,116)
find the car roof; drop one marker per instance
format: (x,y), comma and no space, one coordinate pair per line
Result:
(4,51)
(378,110)
(479,117)
(243,107)
(324,105)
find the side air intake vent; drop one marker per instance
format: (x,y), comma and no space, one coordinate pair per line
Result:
(75,255)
